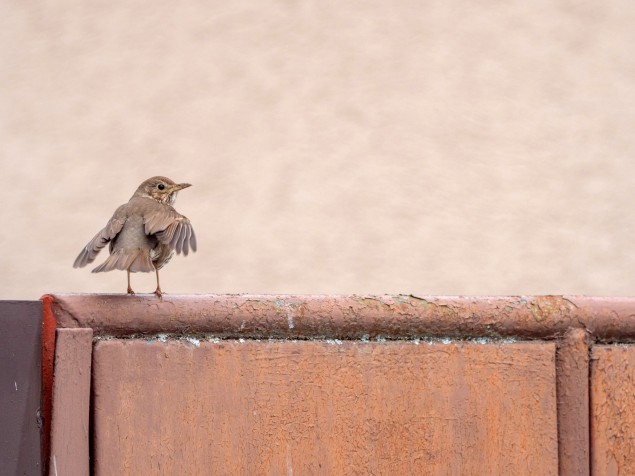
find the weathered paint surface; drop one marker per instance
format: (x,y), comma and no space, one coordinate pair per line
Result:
(71,403)
(346,317)
(612,404)
(324,407)
(572,364)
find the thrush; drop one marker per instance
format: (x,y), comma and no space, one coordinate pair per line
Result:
(144,233)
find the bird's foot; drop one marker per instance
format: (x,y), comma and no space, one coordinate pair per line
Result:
(159,293)
(130,291)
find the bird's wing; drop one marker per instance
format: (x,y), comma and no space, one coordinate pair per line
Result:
(171,228)
(109,232)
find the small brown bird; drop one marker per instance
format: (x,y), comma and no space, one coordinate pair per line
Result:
(143,233)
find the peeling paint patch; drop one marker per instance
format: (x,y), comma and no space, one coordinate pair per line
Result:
(489,340)
(289,462)
(105,337)
(193,341)
(289,310)
(365,338)
(438,340)
(289,318)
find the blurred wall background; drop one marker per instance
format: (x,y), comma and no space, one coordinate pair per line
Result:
(427,147)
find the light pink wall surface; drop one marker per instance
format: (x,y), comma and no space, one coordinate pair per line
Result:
(335,147)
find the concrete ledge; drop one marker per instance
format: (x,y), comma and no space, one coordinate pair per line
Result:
(346,317)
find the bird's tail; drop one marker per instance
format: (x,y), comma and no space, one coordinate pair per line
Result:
(136,260)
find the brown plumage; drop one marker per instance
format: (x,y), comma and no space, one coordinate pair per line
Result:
(144,233)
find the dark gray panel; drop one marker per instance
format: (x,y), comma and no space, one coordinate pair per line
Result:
(20,387)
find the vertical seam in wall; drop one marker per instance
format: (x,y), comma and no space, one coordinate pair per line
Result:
(91,413)
(590,429)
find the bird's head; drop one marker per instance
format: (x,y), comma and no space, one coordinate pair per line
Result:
(161,189)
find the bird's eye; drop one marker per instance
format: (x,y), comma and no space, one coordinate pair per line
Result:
(161,186)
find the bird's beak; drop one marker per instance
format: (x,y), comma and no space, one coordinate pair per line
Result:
(180,186)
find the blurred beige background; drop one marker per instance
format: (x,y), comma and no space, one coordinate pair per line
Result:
(428,147)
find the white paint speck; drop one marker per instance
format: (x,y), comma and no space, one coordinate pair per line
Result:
(365,338)
(16,385)
(193,341)
(334,341)
(162,337)
(242,341)
(480,340)
(289,463)
(289,310)
(289,317)
(416,341)
(54,465)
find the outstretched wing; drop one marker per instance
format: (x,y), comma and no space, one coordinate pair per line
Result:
(171,228)
(109,232)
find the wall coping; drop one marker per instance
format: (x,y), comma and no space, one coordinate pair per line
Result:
(345,317)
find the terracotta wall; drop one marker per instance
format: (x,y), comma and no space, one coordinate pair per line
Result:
(297,407)
(342,385)
(613,402)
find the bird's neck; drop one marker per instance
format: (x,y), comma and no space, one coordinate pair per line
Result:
(165,199)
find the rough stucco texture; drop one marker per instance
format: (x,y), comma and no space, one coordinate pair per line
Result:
(441,147)
(71,398)
(272,407)
(612,402)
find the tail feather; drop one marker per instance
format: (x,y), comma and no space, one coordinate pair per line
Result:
(135,260)
(142,263)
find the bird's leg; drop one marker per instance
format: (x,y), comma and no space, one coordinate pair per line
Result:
(158,290)
(130,291)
